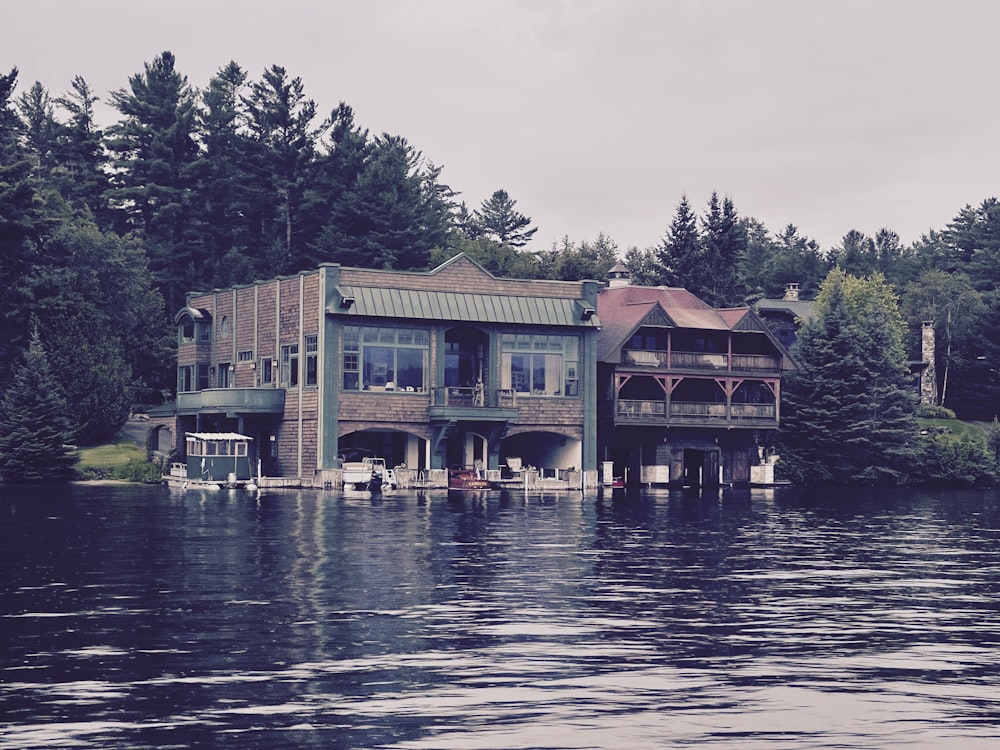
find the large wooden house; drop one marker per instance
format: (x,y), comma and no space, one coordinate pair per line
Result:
(687,394)
(428,370)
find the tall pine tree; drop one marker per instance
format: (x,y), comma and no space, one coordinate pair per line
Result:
(35,429)
(679,254)
(154,150)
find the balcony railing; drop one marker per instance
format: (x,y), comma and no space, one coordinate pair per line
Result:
(701,360)
(487,398)
(694,412)
(239,400)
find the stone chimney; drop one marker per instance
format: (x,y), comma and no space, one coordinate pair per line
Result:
(792,292)
(928,378)
(618,276)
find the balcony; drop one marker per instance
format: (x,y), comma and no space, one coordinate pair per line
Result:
(494,404)
(233,401)
(675,360)
(696,414)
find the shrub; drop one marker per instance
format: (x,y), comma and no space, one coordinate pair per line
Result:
(138,470)
(954,461)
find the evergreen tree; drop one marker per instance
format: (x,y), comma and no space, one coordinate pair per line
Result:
(11,149)
(81,176)
(24,225)
(856,254)
(848,412)
(39,127)
(796,259)
(498,219)
(752,265)
(223,176)
(338,165)
(282,147)
(680,254)
(589,260)
(724,243)
(394,215)
(643,266)
(35,429)
(154,149)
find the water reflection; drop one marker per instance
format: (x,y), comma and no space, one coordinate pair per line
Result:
(138,617)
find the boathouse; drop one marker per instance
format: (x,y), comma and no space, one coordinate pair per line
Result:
(429,370)
(688,394)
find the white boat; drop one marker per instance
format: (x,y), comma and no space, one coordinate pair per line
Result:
(358,474)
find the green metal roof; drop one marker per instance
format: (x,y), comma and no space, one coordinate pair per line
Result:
(459,306)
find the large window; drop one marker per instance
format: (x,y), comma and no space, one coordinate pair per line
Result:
(377,358)
(540,364)
(192,378)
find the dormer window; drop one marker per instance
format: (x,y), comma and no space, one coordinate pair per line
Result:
(187,330)
(192,322)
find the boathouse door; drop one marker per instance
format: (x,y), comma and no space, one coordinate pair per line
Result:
(701,468)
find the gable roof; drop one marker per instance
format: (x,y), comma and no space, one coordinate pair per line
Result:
(623,310)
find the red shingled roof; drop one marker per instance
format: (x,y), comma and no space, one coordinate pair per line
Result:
(622,309)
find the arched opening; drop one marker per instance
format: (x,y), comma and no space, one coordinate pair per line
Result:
(396,447)
(467,449)
(546,450)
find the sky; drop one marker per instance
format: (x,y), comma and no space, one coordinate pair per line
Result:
(599,115)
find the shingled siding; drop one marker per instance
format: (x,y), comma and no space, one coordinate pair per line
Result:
(560,415)
(399,411)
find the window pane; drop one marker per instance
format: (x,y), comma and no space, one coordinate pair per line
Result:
(352,338)
(538,374)
(377,365)
(410,369)
(520,372)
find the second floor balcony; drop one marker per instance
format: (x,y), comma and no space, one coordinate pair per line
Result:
(681,360)
(454,402)
(232,401)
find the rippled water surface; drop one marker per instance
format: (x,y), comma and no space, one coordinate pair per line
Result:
(139,617)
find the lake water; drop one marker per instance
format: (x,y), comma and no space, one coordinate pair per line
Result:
(140,617)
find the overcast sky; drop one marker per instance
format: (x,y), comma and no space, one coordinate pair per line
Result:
(596,116)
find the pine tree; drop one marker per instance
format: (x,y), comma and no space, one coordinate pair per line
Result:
(154,150)
(724,242)
(849,413)
(282,147)
(680,254)
(498,219)
(35,429)
(224,184)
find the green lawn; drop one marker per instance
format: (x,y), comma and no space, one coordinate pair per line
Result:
(110,455)
(962,429)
